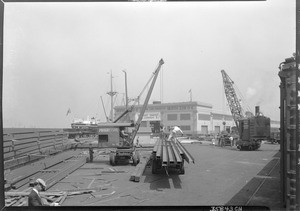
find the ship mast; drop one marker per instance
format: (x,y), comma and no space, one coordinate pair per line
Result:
(111,94)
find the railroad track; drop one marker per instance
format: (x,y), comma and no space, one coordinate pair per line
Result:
(264,178)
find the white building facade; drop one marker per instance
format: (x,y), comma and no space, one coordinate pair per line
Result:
(194,118)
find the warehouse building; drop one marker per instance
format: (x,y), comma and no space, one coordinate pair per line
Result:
(194,118)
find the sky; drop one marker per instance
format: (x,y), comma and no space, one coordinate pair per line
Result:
(59,56)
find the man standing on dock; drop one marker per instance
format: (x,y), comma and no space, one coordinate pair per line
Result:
(34,198)
(174,131)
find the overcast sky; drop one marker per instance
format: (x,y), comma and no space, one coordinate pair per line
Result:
(58,55)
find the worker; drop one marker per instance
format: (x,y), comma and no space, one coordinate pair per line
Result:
(161,131)
(231,141)
(91,152)
(34,198)
(174,131)
(124,136)
(213,140)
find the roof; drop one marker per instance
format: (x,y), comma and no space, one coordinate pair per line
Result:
(194,103)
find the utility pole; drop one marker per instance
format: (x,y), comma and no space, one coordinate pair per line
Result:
(111,94)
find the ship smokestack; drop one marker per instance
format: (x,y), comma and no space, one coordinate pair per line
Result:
(256,110)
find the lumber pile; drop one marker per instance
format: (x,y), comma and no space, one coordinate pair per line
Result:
(140,168)
(22,176)
(23,143)
(71,167)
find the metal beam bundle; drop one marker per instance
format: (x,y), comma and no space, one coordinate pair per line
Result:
(171,152)
(187,156)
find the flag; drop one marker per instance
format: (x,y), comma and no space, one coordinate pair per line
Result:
(69,111)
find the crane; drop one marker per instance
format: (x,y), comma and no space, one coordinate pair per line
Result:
(138,123)
(154,74)
(252,129)
(233,101)
(113,133)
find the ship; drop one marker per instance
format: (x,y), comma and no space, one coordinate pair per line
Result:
(84,123)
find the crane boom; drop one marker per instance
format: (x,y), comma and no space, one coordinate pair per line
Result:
(138,97)
(107,119)
(138,122)
(233,101)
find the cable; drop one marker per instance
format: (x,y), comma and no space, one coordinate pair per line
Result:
(246,106)
(161,85)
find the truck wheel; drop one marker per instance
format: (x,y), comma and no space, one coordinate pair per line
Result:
(181,170)
(135,159)
(138,156)
(112,159)
(154,166)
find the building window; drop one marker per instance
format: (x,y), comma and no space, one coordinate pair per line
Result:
(103,138)
(228,118)
(217,129)
(203,117)
(185,127)
(143,124)
(228,129)
(218,116)
(185,116)
(172,107)
(204,129)
(172,117)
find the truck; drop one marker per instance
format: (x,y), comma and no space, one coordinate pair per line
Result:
(109,135)
(253,130)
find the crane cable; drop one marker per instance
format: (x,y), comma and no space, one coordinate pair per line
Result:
(240,95)
(244,102)
(150,79)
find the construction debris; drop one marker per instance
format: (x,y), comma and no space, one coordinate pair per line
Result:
(20,198)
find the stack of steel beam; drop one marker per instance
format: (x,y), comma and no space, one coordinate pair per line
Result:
(171,152)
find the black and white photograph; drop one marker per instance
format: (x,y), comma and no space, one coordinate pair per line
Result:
(150,105)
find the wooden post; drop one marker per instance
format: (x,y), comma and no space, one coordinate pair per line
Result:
(54,141)
(13,147)
(38,142)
